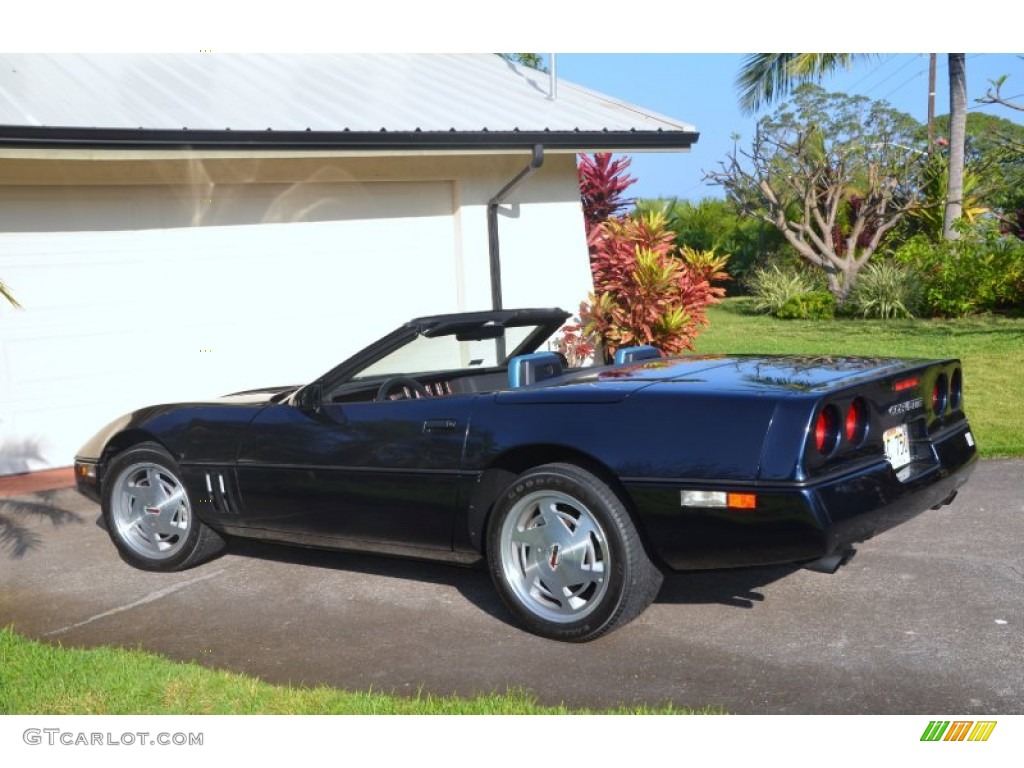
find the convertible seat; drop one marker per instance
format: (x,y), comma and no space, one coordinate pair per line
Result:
(524,370)
(635,354)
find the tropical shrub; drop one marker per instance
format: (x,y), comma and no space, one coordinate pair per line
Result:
(718,225)
(645,291)
(774,285)
(886,290)
(815,305)
(982,271)
(602,184)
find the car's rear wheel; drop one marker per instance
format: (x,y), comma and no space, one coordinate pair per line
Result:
(565,556)
(149,515)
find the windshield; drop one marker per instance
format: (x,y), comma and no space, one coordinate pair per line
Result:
(426,354)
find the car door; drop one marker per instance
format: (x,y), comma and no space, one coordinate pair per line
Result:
(362,474)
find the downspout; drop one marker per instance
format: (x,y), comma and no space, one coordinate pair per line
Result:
(492,222)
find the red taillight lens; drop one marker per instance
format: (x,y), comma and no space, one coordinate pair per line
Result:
(899,386)
(856,421)
(939,395)
(826,430)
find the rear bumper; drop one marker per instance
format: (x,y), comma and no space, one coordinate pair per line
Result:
(797,522)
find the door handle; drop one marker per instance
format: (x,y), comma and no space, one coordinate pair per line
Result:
(440,425)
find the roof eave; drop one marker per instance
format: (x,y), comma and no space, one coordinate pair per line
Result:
(396,141)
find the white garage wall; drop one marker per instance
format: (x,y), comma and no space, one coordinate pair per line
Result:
(117,319)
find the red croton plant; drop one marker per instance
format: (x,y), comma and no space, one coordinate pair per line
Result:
(646,290)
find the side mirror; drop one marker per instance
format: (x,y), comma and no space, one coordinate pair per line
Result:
(311,398)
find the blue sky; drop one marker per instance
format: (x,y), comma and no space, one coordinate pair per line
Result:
(699,89)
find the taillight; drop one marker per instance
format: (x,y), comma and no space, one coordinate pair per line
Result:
(940,393)
(956,390)
(856,422)
(826,430)
(903,384)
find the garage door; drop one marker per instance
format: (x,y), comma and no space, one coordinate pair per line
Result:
(153,294)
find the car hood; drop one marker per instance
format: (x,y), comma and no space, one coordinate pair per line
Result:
(262,395)
(93,448)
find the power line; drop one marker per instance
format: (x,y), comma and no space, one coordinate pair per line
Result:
(888,57)
(882,82)
(903,84)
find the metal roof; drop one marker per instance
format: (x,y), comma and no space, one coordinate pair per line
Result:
(369,101)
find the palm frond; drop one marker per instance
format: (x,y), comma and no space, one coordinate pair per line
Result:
(6,293)
(764,77)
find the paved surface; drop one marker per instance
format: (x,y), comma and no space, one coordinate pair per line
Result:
(926,619)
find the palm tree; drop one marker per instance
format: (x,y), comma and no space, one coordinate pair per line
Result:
(957,143)
(766,76)
(6,294)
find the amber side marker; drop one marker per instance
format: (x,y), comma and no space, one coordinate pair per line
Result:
(742,501)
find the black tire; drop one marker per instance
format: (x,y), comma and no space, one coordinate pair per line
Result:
(565,556)
(148,513)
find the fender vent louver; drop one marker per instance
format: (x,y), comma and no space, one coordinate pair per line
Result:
(220,495)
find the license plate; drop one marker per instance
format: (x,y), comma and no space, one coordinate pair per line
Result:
(897,446)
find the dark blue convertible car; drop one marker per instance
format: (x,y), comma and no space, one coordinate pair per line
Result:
(455,438)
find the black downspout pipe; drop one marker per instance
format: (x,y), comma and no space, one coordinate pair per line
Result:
(492,222)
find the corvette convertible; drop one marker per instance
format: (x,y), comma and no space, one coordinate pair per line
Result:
(460,437)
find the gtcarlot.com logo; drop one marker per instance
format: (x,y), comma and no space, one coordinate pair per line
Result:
(55,736)
(958,730)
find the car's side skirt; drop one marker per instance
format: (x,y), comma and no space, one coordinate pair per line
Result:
(343,544)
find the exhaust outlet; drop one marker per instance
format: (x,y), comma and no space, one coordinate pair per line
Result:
(831,563)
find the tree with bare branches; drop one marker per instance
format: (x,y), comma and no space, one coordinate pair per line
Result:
(994,94)
(834,173)
(766,76)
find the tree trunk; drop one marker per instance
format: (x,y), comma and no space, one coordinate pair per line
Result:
(957,139)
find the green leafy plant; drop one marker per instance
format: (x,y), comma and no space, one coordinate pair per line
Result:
(816,305)
(774,285)
(886,290)
(718,225)
(930,215)
(982,271)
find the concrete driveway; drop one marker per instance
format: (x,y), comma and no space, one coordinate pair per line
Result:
(926,619)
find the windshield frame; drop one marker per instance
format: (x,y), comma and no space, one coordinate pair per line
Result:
(546,322)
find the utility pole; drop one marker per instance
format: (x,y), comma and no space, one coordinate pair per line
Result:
(931,102)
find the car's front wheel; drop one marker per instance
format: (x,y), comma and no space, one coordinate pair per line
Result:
(148,513)
(565,556)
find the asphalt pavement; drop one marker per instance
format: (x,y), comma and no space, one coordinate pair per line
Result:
(927,618)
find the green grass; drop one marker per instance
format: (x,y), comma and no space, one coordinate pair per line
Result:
(991,348)
(38,678)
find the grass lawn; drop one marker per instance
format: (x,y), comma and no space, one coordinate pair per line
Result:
(38,678)
(991,348)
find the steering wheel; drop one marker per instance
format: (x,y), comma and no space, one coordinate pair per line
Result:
(388,387)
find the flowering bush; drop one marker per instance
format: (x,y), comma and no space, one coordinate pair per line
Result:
(646,291)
